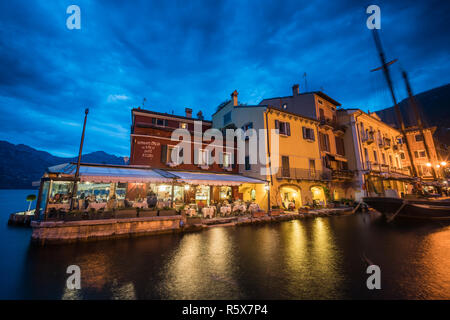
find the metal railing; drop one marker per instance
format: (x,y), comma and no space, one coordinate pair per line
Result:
(302,174)
(379,167)
(342,174)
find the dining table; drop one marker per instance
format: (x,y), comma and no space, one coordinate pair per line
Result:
(58,206)
(191,212)
(253,207)
(96,205)
(225,210)
(140,204)
(208,212)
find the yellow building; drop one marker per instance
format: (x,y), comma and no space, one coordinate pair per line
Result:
(300,179)
(425,158)
(317,105)
(374,154)
(295,175)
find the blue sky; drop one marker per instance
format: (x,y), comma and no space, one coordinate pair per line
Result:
(181,54)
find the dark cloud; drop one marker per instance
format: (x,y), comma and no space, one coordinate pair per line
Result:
(195,53)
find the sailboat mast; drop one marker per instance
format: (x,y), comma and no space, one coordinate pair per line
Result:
(413,103)
(387,75)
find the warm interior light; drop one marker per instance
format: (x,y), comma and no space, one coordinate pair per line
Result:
(438,166)
(266,187)
(162,188)
(428,164)
(186,187)
(443,163)
(294,194)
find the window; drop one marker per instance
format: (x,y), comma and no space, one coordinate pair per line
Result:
(366,154)
(312,165)
(308,134)
(375,156)
(340,149)
(285,106)
(183,125)
(285,166)
(402,155)
(174,154)
(226,160)
(324,142)
(419,154)
(283,127)
(227,118)
(247,163)
(203,157)
(398,162)
(247,126)
(390,161)
(400,140)
(321,114)
(384,158)
(159,122)
(319,101)
(419,137)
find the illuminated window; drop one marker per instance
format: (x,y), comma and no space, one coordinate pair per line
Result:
(183,125)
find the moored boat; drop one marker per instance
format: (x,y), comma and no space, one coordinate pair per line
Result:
(422,209)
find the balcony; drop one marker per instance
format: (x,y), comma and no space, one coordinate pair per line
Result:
(327,123)
(384,143)
(367,137)
(384,168)
(302,174)
(342,175)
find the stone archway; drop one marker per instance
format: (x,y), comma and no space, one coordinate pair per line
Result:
(291,196)
(318,195)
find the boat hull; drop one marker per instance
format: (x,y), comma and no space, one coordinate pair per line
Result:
(413,209)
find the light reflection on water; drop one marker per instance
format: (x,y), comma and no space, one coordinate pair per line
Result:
(303,259)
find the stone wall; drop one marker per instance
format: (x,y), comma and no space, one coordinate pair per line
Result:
(73,231)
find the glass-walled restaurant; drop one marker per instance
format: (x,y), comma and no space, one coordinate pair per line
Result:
(128,191)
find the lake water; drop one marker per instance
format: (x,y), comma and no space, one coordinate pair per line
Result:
(318,258)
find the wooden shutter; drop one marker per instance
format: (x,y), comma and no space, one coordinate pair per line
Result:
(163,153)
(277,124)
(288,129)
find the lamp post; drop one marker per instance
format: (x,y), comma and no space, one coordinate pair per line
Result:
(77,172)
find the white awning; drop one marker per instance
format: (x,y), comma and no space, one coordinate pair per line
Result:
(110,174)
(215,179)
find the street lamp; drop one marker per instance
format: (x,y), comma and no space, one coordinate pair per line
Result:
(443,163)
(428,164)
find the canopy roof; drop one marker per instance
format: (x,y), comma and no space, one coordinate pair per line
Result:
(97,173)
(112,173)
(216,179)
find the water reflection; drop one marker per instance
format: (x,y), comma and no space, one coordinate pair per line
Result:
(305,259)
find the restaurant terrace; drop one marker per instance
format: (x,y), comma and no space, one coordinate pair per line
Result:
(112,191)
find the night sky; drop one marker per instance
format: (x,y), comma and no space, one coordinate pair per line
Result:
(194,54)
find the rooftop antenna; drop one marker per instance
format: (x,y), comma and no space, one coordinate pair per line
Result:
(306,82)
(143,102)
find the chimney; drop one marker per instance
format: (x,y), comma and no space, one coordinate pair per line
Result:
(295,90)
(200,115)
(234,97)
(188,112)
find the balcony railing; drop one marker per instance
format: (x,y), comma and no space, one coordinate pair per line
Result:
(378,167)
(302,174)
(367,137)
(342,174)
